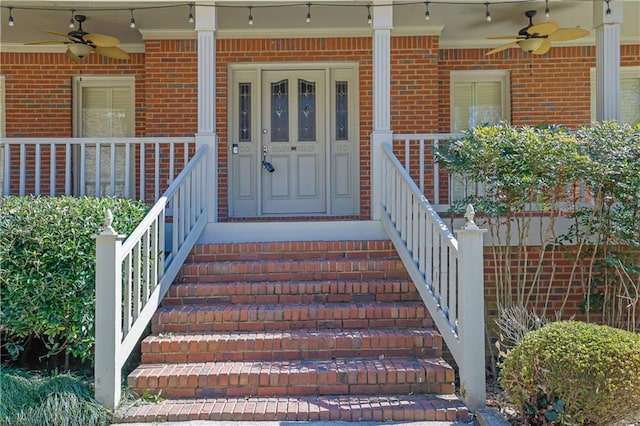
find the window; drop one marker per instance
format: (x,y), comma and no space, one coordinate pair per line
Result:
(629,95)
(477,97)
(103,107)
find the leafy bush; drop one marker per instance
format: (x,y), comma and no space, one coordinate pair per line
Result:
(47,269)
(29,399)
(575,373)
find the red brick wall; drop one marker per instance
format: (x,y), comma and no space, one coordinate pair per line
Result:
(553,88)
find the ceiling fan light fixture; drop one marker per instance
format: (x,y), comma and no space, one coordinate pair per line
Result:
(72,23)
(80,50)
(530,44)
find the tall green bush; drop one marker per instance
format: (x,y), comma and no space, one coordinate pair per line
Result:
(47,269)
(575,373)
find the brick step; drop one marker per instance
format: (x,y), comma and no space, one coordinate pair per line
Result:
(293,270)
(240,317)
(349,408)
(291,345)
(292,250)
(302,377)
(326,291)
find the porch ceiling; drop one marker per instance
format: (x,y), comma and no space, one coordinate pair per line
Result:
(461,21)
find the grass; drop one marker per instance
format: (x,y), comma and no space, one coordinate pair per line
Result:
(63,399)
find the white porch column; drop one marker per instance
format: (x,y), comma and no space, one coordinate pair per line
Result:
(382,14)
(206,29)
(607,59)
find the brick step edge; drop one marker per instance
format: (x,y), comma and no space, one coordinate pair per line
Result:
(290,345)
(300,377)
(263,292)
(227,318)
(353,408)
(360,249)
(293,270)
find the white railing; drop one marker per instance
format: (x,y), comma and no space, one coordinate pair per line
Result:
(133,276)
(137,168)
(447,272)
(417,153)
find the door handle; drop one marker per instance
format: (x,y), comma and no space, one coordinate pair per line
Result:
(265,164)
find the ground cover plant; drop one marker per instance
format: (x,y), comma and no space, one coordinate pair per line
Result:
(47,273)
(31,399)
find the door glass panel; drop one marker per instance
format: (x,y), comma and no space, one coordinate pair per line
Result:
(244,125)
(306,110)
(280,111)
(342,111)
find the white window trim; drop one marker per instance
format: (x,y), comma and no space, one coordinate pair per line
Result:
(83,81)
(476,76)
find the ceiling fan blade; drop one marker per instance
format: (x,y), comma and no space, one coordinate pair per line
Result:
(501,48)
(500,37)
(101,40)
(112,52)
(542,29)
(48,42)
(565,34)
(67,36)
(544,47)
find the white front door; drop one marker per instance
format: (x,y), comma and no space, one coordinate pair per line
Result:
(293,142)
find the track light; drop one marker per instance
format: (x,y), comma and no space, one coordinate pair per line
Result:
(308,13)
(546,9)
(11,23)
(72,23)
(427,16)
(132,22)
(608,12)
(369,20)
(487,14)
(250,16)
(190,19)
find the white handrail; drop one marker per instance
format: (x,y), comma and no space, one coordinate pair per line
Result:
(90,166)
(447,271)
(133,276)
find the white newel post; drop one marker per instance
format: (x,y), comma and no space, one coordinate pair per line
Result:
(382,24)
(607,28)
(206,29)
(471,312)
(108,320)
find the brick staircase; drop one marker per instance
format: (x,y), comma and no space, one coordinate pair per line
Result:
(295,331)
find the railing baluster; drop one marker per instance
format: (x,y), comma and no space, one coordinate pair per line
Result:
(453,289)
(67,169)
(436,176)
(52,169)
(145,266)
(127,295)
(7,169)
(127,170)
(37,167)
(137,271)
(83,168)
(171,162)
(98,183)
(143,173)
(444,276)
(23,169)
(157,171)
(112,169)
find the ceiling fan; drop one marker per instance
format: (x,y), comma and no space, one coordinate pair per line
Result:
(82,43)
(536,39)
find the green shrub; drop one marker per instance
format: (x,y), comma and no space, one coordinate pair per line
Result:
(575,373)
(29,399)
(47,269)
